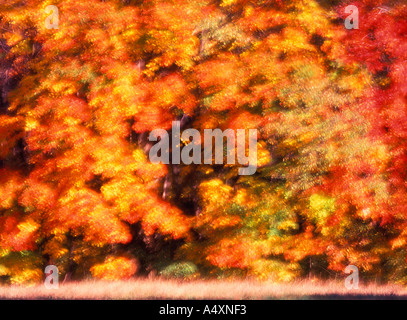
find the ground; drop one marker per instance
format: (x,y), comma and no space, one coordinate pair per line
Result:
(203,289)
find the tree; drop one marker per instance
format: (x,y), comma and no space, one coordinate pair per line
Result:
(378,47)
(78,190)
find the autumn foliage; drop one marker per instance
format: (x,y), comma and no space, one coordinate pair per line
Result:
(77,189)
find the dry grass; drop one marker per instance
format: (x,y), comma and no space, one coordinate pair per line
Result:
(203,289)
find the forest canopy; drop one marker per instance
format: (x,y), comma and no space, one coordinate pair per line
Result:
(77,187)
